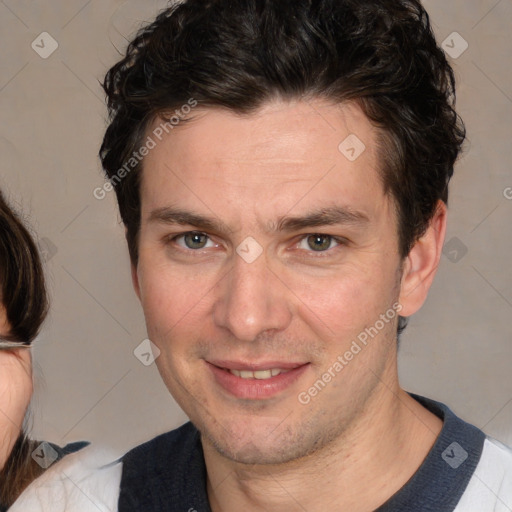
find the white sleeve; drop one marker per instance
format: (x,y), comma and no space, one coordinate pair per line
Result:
(85,481)
(490,487)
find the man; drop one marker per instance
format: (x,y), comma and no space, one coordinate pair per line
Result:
(282,172)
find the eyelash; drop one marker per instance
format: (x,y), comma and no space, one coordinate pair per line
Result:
(316,254)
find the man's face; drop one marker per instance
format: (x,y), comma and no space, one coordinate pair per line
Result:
(274,183)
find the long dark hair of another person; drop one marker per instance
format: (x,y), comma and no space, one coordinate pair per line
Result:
(23,294)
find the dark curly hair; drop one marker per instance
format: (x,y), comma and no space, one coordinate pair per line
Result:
(239,54)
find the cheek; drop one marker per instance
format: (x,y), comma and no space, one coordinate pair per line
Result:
(16,389)
(340,307)
(172,300)
(339,300)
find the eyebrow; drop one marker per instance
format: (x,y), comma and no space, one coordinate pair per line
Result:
(170,215)
(321,217)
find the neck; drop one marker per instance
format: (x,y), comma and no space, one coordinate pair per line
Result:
(359,471)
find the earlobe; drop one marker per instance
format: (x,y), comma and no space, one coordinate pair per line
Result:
(421,263)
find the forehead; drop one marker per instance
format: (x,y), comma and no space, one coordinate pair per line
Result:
(273,159)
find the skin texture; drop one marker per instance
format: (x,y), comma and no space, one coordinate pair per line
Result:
(15,391)
(362,437)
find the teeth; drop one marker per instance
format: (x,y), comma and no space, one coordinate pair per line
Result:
(258,374)
(263,374)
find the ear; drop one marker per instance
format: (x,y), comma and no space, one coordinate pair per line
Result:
(421,263)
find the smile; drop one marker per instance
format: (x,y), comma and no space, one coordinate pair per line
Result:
(251,381)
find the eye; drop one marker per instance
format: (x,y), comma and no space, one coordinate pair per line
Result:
(318,242)
(194,240)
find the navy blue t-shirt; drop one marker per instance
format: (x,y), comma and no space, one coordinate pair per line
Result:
(168,474)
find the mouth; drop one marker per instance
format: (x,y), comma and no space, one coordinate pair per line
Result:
(255,381)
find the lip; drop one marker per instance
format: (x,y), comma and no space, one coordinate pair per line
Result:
(255,389)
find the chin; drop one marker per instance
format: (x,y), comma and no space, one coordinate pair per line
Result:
(267,445)
(258,452)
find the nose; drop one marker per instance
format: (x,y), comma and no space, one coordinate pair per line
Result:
(251,300)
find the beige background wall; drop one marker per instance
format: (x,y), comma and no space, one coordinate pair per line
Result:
(89,383)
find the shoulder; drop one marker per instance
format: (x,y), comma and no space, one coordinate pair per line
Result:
(165,447)
(87,480)
(490,487)
(91,479)
(62,451)
(168,469)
